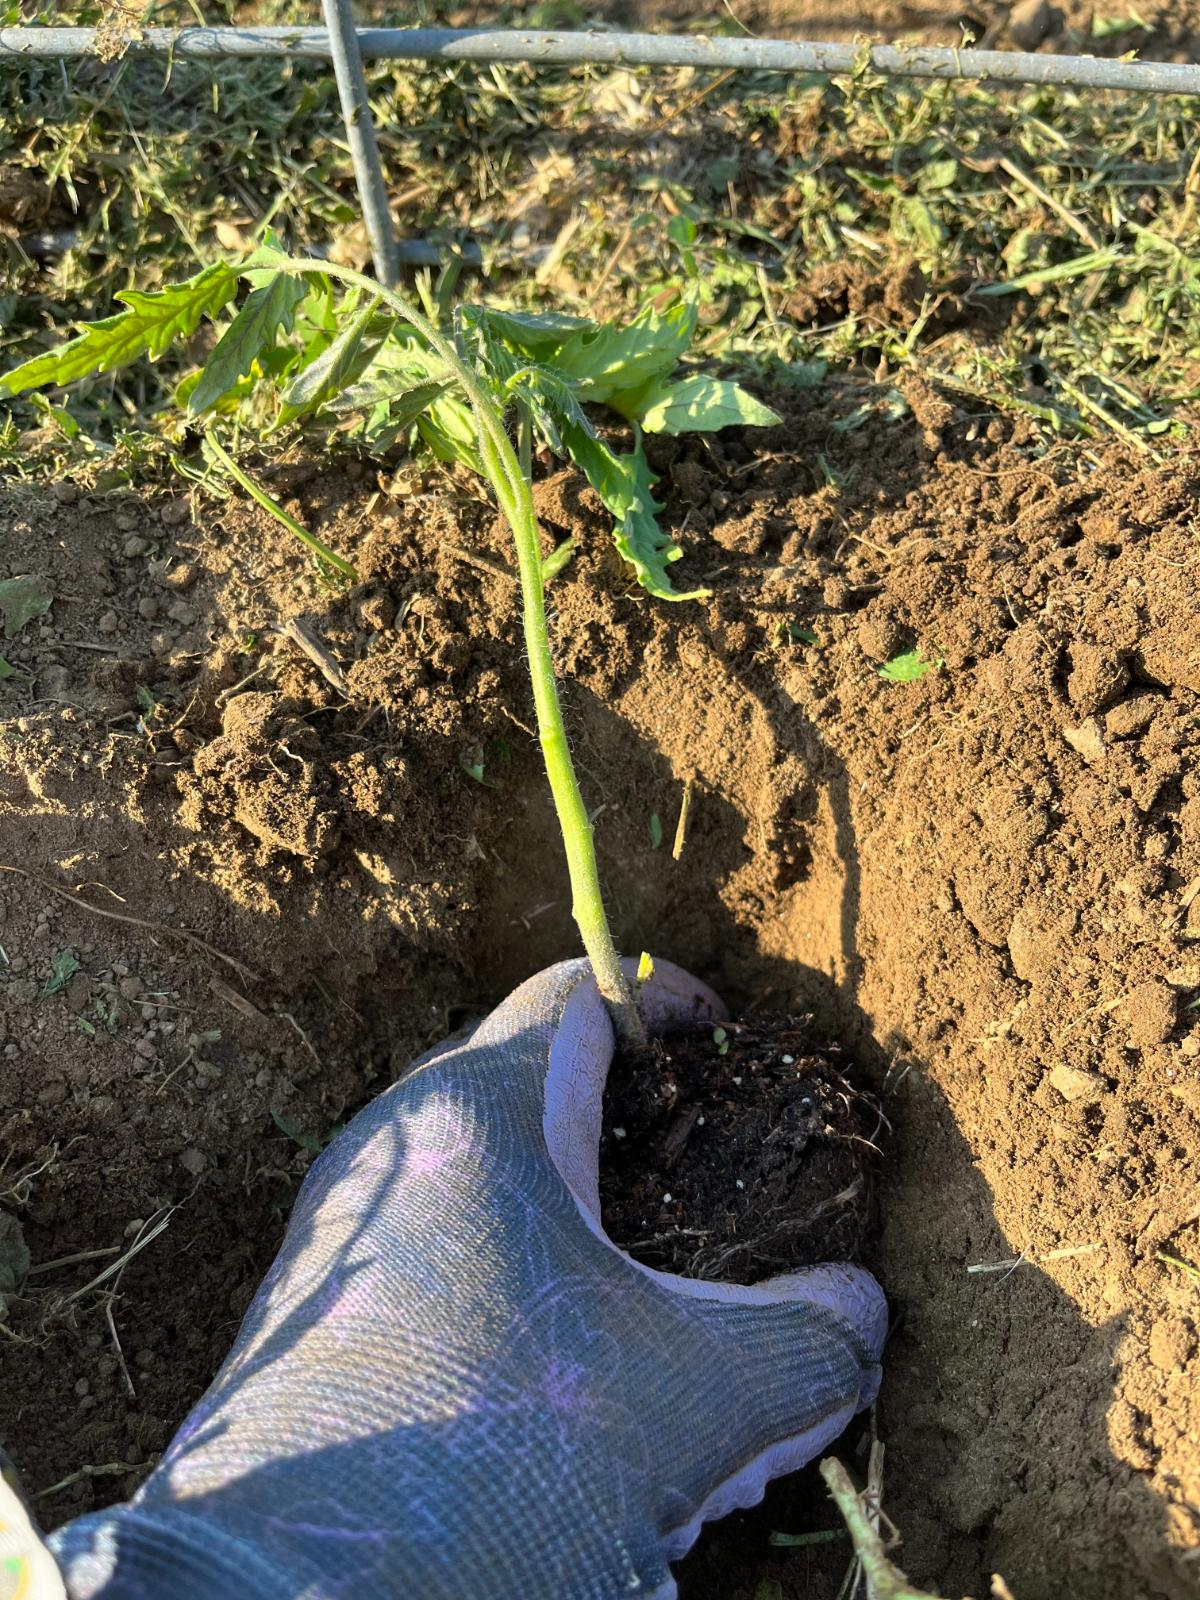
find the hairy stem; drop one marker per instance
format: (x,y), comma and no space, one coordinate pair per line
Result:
(516,501)
(525,441)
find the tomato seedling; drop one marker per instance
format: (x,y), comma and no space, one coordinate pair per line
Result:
(458,378)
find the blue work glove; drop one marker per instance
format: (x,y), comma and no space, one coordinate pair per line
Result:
(452,1386)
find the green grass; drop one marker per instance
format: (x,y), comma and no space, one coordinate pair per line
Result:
(1053,236)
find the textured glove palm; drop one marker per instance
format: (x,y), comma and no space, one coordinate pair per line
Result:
(452,1384)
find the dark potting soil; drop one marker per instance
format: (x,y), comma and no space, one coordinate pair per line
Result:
(737,1152)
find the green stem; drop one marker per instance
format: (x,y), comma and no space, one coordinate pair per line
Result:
(257,492)
(515,495)
(884,1581)
(525,440)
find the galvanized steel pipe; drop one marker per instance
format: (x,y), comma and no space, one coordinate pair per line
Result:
(596,47)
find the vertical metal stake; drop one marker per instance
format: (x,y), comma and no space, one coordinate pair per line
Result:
(360,131)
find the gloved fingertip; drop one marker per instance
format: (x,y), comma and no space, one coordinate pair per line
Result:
(849,1291)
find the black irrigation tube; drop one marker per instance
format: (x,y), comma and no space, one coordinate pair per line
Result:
(348,47)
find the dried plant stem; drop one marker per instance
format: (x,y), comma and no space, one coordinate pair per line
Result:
(884,1581)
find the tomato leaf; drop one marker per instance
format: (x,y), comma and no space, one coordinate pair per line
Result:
(152,321)
(623,483)
(551,402)
(398,386)
(265,313)
(605,361)
(538,336)
(448,427)
(337,366)
(699,405)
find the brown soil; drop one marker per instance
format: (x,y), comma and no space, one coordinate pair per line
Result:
(982,884)
(736,1153)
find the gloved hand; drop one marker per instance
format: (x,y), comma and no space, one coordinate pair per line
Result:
(452,1386)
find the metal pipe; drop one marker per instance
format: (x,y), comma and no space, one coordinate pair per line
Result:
(628,49)
(409,252)
(360,133)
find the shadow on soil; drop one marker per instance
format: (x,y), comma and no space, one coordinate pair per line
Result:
(996,1389)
